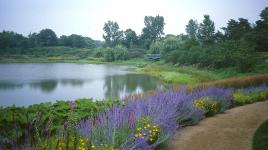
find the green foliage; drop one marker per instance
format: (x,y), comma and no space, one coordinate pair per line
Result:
(169,47)
(131,39)
(136,53)
(117,53)
(155,47)
(206,31)
(113,36)
(154,27)
(47,37)
(235,30)
(210,106)
(12,39)
(75,40)
(242,98)
(35,118)
(192,29)
(261,137)
(261,31)
(264,14)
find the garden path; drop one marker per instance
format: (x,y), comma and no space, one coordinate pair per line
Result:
(232,130)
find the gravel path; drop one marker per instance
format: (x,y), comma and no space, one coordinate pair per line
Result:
(232,130)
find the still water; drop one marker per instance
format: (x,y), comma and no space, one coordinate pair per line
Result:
(24,84)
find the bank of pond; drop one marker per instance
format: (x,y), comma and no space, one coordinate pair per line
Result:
(142,121)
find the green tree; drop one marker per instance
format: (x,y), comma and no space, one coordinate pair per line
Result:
(64,41)
(131,38)
(235,30)
(206,32)
(47,37)
(33,39)
(113,35)
(90,43)
(264,14)
(192,28)
(156,47)
(153,30)
(77,41)
(9,39)
(118,52)
(170,48)
(261,31)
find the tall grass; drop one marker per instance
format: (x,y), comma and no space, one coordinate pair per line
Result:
(238,82)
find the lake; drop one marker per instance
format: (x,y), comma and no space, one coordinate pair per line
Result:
(24,84)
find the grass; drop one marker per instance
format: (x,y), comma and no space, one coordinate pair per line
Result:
(236,82)
(192,74)
(260,140)
(69,59)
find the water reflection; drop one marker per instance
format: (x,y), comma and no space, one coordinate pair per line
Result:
(122,85)
(10,86)
(46,86)
(25,84)
(114,86)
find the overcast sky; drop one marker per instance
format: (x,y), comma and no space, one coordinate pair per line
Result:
(87,17)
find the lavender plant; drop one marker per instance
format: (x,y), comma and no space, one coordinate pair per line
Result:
(141,122)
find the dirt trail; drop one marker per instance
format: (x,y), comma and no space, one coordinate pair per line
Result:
(232,130)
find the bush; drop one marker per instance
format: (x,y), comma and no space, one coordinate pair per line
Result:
(209,105)
(117,53)
(136,53)
(241,97)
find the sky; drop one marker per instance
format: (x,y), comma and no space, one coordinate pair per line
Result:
(87,17)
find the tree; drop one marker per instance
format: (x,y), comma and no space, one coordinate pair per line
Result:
(11,40)
(90,43)
(130,38)
(153,29)
(264,14)
(192,28)
(206,31)
(261,30)
(33,39)
(47,37)
(113,35)
(156,47)
(118,52)
(77,41)
(235,30)
(65,41)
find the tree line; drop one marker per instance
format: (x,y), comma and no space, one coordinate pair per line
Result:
(236,45)
(44,38)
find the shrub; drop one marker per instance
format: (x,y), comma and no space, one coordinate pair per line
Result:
(117,53)
(240,98)
(209,105)
(136,53)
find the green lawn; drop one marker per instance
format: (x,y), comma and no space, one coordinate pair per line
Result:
(260,140)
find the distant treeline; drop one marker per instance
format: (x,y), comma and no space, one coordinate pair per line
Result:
(236,45)
(45,37)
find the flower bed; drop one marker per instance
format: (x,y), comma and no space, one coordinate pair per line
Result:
(141,122)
